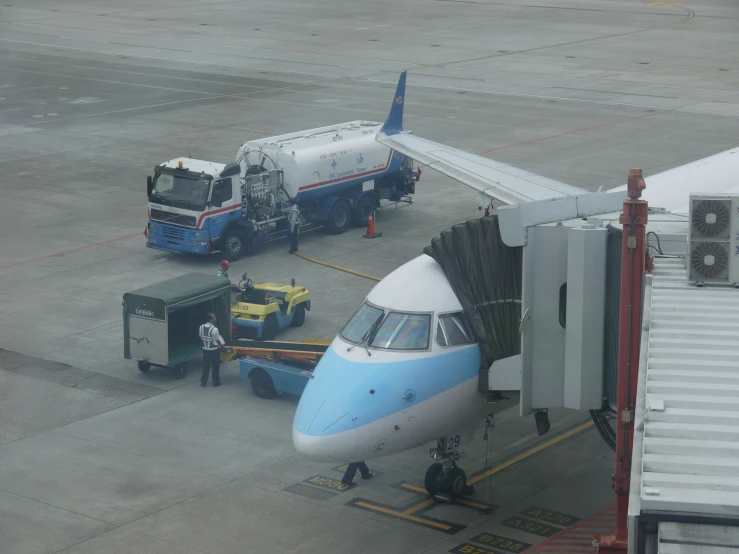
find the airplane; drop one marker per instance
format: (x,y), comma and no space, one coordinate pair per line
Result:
(403,371)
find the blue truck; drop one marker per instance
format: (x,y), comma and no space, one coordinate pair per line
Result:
(338,176)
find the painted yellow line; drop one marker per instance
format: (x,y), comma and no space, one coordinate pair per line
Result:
(417,507)
(529,453)
(464,501)
(403,515)
(357,273)
(473,504)
(413,488)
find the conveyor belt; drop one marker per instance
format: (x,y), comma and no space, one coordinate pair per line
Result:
(306,352)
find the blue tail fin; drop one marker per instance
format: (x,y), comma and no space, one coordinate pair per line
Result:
(394,122)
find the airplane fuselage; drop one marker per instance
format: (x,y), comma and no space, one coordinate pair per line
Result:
(402,389)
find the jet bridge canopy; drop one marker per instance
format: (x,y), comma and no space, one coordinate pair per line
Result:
(485,274)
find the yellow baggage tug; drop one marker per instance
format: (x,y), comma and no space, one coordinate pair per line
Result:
(261,311)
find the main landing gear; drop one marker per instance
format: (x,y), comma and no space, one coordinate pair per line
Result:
(443,476)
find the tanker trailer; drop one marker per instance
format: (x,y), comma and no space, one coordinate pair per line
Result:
(338,176)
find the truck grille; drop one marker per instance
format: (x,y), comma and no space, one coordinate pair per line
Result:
(175,219)
(173,234)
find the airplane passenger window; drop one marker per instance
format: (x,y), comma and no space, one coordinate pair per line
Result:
(360,323)
(403,332)
(454,330)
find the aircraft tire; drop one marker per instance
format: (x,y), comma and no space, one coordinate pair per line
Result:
(431,481)
(455,482)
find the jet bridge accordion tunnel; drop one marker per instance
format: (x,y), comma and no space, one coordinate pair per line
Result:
(545,314)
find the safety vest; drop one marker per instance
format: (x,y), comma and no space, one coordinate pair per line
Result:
(222,273)
(206,335)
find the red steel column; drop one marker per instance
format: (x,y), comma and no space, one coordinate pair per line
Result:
(633,264)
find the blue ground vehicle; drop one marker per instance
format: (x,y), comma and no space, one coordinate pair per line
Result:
(337,175)
(275,368)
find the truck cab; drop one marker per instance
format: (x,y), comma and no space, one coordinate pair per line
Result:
(338,175)
(190,203)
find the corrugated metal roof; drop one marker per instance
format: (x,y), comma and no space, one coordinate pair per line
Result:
(690,434)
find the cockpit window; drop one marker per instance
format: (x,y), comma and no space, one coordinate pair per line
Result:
(454,330)
(401,331)
(358,327)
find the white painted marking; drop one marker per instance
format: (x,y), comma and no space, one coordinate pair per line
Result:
(372,27)
(85,100)
(5,131)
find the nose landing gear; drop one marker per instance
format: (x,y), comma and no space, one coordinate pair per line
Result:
(444,476)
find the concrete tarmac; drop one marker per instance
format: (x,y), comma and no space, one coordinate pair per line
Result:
(98,457)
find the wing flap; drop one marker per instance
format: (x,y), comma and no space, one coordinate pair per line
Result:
(503,182)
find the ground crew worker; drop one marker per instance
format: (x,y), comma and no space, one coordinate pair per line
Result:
(223,272)
(294,220)
(351,471)
(212,340)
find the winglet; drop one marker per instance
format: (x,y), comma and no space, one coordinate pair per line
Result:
(394,123)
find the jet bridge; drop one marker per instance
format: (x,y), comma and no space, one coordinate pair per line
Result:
(685,465)
(683,491)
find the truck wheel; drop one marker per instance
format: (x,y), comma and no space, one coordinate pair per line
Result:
(299,317)
(180,371)
(339,217)
(234,244)
(271,327)
(262,384)
(366,205)
(144,367)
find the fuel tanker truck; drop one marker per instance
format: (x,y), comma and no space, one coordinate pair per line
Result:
(338,176)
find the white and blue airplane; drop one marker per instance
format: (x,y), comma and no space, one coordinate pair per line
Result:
(403,371)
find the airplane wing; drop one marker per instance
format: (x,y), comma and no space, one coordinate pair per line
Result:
(496,180)
(532,199)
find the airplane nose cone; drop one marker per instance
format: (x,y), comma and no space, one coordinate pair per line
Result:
(324,431)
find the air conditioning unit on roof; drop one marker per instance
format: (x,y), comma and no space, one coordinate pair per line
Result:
(713,239)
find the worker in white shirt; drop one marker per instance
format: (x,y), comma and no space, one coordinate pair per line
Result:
(212,340)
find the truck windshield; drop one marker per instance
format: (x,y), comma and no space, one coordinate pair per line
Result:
(357,329)
(180,191)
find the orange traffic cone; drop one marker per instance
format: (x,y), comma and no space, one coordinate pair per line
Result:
(370,234)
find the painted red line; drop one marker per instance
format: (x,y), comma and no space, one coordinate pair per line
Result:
(572,542)
(572,539)
(579,547)
(577,131)
(69,251)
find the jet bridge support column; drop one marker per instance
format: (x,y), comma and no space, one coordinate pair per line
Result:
(633,266)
